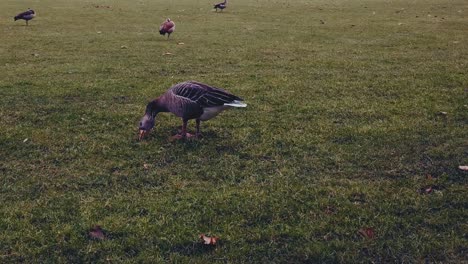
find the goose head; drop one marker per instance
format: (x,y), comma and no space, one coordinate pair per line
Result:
(146,124)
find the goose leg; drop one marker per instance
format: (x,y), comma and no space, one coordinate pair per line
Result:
(198,134)
(183,134)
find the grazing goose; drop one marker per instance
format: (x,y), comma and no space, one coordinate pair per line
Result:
(27,15)
(167,27)
(189,100)
(221,5)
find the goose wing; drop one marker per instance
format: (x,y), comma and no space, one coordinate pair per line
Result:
(204,95)
(25,14)
(167,26)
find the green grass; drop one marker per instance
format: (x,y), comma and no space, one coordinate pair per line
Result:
(341,132)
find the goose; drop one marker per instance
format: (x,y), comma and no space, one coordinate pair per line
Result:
(26,15)
(189,100)
(221,5)
(167,27)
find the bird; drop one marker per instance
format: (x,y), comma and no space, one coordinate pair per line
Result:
(189,100)
(26,15)
(221,5)
(167,27)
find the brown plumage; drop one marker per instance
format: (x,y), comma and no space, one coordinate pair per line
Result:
(221,5)
(26,15)
(189,100)
(167,27)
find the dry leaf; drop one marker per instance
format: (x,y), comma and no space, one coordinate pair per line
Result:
(208,240)
(463,168)
(426,190)
(367,232)
(330,210)
(97,233)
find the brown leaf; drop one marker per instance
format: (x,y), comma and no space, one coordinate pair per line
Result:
(208,240)
(330,210)
(97,233)
(426,190)
(367,232)
(328,237)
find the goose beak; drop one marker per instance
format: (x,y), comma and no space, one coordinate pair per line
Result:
(142,134)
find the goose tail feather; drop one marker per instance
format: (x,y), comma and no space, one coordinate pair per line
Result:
(236,103)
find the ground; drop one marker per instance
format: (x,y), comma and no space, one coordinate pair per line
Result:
(348,150)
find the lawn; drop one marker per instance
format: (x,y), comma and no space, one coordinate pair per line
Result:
(349,149)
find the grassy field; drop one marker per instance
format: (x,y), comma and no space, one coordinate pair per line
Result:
(357,120)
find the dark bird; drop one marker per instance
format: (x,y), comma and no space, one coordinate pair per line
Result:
(167,27)
(221,5)
(27,15)
(189,100)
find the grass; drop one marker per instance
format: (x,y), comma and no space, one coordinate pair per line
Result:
(343,131)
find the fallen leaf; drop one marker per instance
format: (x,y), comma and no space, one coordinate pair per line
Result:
(463,168)
(97,233)
(426,190)
(208,240)
(367,232)
(330,210)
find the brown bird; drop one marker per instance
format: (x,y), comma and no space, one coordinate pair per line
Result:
(26,15)
(167,27)
(221,5)
(189,100)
